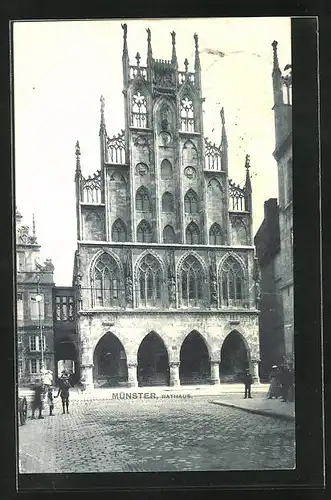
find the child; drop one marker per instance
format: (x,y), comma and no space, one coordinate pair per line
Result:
(50,400)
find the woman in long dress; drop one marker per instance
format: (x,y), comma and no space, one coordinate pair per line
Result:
(274,388)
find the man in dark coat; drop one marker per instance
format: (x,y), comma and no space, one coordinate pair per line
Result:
(38,398)
(248,380)
(285,380)
(64,386)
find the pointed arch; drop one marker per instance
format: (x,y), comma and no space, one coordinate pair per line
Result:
(241,231)
(189,153)
(149,277)
(215,235)
(194,359)
(234,355)
(187,114)
(143,202)
(191,281)
(232,282)
(164,112)
(153,360)
(110,361)
(93,216)
(166,170)
(191,202)
(118,231)
(169,234)
(192,234)
(144,232)
(215,186)
(139,116)
(167,202)
(106,279)
(117,177)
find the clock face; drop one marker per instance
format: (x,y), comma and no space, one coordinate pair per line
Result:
(190,172)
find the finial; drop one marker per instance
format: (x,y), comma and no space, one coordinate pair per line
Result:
(174,56)
(102,110)
(196,39)
(78,169)
(148,35)
(138,59)
(186,65)
(125,44)
(33,226)
(77,150)
(149,46)
(197,58)
(222,116)
(247,162)
(275,64)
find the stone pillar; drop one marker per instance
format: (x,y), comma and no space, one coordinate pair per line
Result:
(255,370)
(174,373)
(86,375)
(214,372)
(132,375)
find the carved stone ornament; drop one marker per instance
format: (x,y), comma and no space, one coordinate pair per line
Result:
(190,172)
(129,289)
(166,138)
(172,289)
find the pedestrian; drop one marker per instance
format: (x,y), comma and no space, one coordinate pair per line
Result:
(248,380)
(274,388)
(50,400)
(47,378)
(64,386)
(38,400)
(285,382)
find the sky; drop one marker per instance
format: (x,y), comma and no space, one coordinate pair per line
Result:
(61,68)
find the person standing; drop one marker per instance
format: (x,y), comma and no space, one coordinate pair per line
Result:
(285,382)
(50,401)
(248,380)
(38,400)
(64,386)
(274,388)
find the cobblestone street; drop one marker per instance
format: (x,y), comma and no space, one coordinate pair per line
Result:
(154,435)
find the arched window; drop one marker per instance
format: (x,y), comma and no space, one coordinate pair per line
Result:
(118,231)
(149,279)
(139,110)
(166,170)
(232,280)
(215,235)
(144,232)
(192,234)
(167,202)
(187,114)
(189,154)
(191,202)
(192,279)
(169,235)
(142,200)
(106,282)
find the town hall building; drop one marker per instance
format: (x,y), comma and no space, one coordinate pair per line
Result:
(165,272)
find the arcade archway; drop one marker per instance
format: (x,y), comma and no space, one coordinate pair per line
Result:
(234,358)
(194,360)
(153,362)
(110,367)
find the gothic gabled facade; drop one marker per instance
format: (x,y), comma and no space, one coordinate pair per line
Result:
(165,273)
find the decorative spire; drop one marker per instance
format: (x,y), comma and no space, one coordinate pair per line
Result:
(125,42)
(174,56)
(138,57)
(275,63)
(18,216)
(149,47)
(34,227)
(78,169)
(224,137)
(197,57)
(248,177)
(102,117)
(186,65)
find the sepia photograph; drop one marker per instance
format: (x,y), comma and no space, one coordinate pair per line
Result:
(154,245)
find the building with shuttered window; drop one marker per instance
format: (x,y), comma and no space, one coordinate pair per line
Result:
(165,272)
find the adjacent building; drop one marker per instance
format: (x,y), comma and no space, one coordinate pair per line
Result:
(165,275)
(34,313)
(274,240)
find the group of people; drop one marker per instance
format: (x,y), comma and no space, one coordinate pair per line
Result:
(281,383)
(43,390)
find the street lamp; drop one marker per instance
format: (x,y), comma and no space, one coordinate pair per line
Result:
(38,299)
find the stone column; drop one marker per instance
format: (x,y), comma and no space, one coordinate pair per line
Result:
(214,372)
(86,374)
(174,373)
(255,370)
(132,375)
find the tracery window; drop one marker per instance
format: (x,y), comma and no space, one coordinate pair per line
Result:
(142,200)
(189,154)
(167,202)
(144,232)
(166,170)
(139,110)
(232,280)
(106,282)
(149,279)
(215,235)
(187,115)
(118,232)
(192,279)
(192,234)
(169,235)
(191,202)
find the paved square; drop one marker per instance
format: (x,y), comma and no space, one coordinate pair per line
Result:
(154,435)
